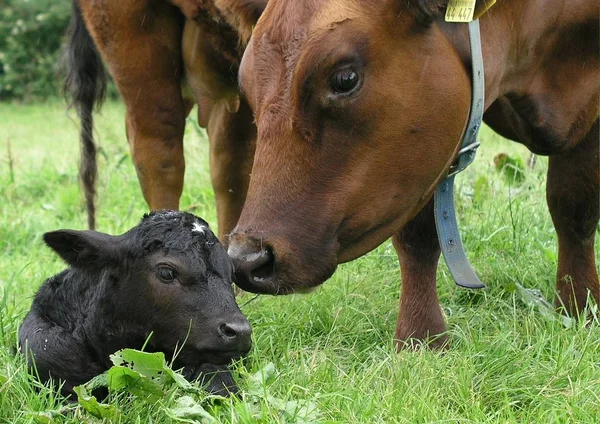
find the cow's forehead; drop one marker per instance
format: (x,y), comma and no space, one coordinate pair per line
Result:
(289,20)
(197,227)
(174,225)
(288,31)
(334,12)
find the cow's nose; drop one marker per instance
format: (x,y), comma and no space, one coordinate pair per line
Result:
(236,334)
(254,263)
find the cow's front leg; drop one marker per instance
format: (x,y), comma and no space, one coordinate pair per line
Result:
(418,250)
(157,150)
(573,198)
(141,43)
(227,118)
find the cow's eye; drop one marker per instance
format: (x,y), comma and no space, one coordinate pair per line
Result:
(166,274)
(344,81)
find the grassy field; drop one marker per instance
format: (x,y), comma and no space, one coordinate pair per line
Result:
(327,356)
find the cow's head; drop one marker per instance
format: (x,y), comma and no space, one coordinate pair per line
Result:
(170,277)
(360,106)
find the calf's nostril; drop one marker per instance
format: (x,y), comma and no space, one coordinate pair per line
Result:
(240,331)
(236,335)
(227,331)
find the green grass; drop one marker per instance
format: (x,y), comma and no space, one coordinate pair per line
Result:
(507,361)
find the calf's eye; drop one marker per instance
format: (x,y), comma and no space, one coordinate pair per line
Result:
(344,81)
(166,274)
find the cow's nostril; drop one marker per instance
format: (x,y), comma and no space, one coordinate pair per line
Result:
(263,266)
(236,335)
(227,331)
(254,264)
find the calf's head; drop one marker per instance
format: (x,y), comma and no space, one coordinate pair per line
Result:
(168,276)
(359,107)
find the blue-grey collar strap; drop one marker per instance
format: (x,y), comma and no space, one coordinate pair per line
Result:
(445,215)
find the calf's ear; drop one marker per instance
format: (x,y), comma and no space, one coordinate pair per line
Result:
(81,249)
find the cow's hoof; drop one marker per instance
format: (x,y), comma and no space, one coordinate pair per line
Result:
(436,342)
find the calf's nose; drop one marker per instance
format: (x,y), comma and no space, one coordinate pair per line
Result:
(236,334)
(254,263)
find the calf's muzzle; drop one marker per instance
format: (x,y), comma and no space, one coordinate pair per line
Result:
(236,335)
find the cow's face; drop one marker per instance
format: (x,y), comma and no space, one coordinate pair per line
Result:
(169,277)
(359,106)
(186,276)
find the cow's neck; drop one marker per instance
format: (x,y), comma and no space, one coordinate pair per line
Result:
(499,35)
(106,331)
(532,54)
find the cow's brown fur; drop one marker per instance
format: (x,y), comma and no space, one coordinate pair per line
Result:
(149,57)
(333,177)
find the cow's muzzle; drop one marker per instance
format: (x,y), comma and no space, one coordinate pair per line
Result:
(254,263)
(275,264)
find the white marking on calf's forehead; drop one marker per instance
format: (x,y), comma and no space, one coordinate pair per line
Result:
(170,214)
(198,228)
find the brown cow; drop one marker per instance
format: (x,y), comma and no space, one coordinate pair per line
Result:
(152,48)
(360,106)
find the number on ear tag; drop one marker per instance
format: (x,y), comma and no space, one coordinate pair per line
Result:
(460,10)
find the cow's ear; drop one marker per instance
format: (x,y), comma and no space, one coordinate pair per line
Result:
(242,15)
(430,10)
(84,249)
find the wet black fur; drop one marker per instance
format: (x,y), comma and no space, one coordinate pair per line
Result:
(100,304)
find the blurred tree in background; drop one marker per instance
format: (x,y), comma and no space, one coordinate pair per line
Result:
(31,35)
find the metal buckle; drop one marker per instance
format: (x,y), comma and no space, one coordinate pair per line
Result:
(465,157)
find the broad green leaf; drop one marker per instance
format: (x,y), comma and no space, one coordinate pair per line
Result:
(45,417)
(296,411)
(122,378)
(151,365)
(98,381)
(190,411)
(480,190)
(91,405)
(148,364)
(549,254)
(512,168)
(260,379)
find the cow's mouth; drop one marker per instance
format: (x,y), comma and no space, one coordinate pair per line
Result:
(209,369)
(264,271)
(220,357)
(278,282)
(191,358)
(215,379)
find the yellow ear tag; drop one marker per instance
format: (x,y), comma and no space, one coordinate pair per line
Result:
(487,4)
(460,10)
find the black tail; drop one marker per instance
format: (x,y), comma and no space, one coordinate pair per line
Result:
(85,84)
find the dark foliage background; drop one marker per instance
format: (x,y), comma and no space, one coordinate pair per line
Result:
(31,34)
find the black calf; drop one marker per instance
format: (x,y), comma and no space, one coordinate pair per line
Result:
(168,276)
